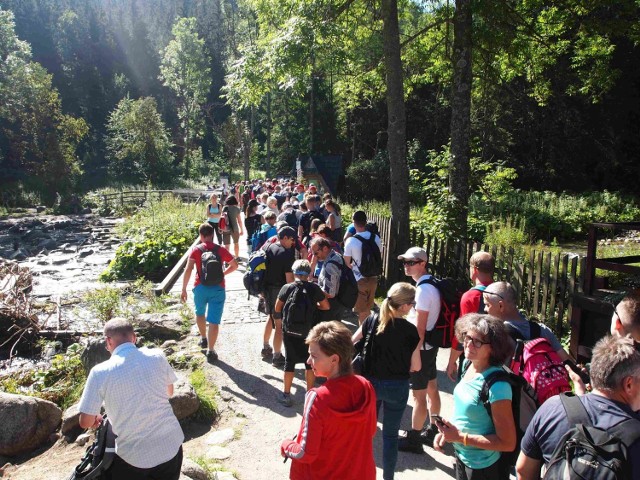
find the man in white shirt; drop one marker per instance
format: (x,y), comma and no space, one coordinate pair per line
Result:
(135,386)
(423,381)
(353,258)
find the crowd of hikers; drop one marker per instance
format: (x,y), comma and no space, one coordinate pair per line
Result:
(521,404)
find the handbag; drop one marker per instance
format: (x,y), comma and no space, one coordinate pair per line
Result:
(359,360)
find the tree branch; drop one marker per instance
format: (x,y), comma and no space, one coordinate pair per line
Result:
(422,31)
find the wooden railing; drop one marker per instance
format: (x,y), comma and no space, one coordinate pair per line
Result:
(138,197)
(545,282)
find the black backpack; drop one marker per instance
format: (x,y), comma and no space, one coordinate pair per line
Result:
(99,455)
(211,270)
(371,260)
(348,290)
(310,216)
(299,311)
(587,452)
(450,293)
(524,404)
(373,228)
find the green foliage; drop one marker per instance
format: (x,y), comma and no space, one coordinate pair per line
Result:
(362,174)
(138,143)
(159,234)
(104,302)
(61,382)
(207,393)
(185,70)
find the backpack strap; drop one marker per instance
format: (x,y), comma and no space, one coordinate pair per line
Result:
(427,280)
(535,329)
(628,430)
(489,381)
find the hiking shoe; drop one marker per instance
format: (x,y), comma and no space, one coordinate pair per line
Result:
(428,434)
(285,399)
(411,442)
(266,351)
(203,342)
(212,356)
(278,360)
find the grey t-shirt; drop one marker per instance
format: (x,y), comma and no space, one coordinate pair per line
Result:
(524,327)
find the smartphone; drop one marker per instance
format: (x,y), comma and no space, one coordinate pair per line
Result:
(581,373)
(437,419)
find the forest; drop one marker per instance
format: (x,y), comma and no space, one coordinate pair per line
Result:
(106,92)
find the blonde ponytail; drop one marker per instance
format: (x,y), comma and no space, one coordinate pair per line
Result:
(399,294)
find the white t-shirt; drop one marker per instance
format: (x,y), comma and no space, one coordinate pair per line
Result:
(427,300)
(133,386)
(353,249)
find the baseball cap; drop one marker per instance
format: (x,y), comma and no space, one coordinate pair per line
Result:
(414,253)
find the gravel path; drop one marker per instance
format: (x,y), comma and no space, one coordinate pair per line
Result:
(249,386)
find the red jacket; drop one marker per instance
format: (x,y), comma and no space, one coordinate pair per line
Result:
(336,434)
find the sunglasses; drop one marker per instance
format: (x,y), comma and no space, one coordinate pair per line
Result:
(475,341)
(411,263)
(494,293)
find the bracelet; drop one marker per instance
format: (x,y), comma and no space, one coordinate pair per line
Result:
(465,437)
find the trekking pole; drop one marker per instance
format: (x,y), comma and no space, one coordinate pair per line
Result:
(287,458)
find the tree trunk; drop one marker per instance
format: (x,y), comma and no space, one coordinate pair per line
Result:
(461,114)
(268,165)
(396,130)
(312,101)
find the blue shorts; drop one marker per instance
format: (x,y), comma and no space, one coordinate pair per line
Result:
(210,299)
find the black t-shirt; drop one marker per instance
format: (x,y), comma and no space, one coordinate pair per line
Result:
(279,261)
(252,223)
(391,350)
(307,218)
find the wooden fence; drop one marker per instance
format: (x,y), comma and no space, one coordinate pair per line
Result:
(545,282)
(138,197)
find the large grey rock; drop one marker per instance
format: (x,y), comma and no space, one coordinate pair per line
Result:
(47,244)
(164,326)
(192,470)
(70,419)
(94,353)
(19,255)
(184,401)
(26,422)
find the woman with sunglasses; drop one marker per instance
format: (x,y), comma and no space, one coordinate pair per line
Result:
(477,436)
(387,363)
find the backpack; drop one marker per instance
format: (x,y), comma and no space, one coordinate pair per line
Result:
(98,456)
(372,227)
(524,404)
(211,266)
(299,311)
(311,215)
(480,288)
(260,237)
(348,290)
(587,452)
(223,223)
(371,260)
(253,278)
(450,293)
(291,219)
(538,363)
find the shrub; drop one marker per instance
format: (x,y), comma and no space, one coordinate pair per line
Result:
(104,303)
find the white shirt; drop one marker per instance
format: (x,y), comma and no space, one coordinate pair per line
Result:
(427,300)
(353,249)
(133,386)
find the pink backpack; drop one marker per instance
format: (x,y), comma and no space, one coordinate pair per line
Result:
(543,369)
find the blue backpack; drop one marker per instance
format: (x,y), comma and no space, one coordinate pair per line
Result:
(260,237)
(253,278)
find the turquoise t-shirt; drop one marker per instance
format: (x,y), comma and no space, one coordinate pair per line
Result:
(213,209)
(470,416)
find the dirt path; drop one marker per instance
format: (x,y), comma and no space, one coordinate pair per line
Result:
(248,388)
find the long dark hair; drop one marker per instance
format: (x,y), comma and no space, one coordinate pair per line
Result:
(253,204)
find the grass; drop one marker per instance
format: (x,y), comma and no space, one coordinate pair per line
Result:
(207,393)
(210,466)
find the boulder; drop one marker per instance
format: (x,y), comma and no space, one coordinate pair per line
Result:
(184,401)
(26,422)
(47,244)
(19,255)
(163,326)
(70,419)
(94,353)
(192,470)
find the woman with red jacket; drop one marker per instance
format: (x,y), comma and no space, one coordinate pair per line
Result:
(335,439)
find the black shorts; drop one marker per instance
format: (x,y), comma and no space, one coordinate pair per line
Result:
(420,380)
(295,351)
(270,297)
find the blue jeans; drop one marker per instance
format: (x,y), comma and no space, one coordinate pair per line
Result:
(393,396)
